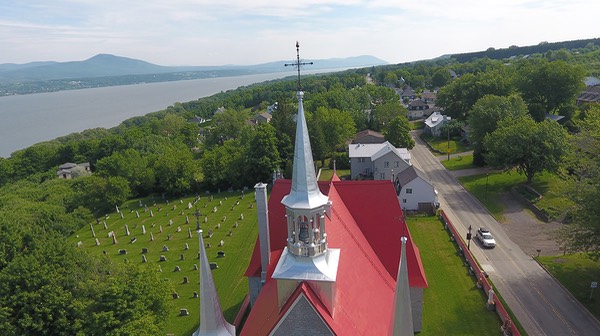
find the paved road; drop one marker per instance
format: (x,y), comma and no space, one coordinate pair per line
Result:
(542,306)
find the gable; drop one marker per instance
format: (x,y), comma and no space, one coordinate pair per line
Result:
(298,318)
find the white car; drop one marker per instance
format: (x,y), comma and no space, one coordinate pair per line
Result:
(486,238)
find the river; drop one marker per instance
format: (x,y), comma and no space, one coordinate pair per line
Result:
(28,119)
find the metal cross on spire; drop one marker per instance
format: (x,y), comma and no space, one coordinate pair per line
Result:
(298,64)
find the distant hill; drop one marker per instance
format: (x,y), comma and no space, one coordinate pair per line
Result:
(106,65)
(527,50)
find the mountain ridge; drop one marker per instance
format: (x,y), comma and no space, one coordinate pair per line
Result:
(104,65)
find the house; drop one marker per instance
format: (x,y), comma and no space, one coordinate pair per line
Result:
(377,161)
(590,95)
(272,108)
(419,109)
(71,170)
(368,137)
(197,120)
(408,94)
(414,191)
(262,118)
(434,123)
(428,97)
(331,258)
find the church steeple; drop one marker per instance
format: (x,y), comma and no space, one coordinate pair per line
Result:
(402,318)
(305,204)
(212,321)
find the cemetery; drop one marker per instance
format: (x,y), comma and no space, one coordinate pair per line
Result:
(144,232)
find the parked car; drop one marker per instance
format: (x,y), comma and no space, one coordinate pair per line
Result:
(485,237)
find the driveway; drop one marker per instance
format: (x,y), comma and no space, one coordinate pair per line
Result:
(541,304)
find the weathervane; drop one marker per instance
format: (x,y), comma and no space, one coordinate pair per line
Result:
(298,63)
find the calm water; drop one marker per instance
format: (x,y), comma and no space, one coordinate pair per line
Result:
(29,119)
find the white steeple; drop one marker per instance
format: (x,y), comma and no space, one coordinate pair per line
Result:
(402,319)
(212,322)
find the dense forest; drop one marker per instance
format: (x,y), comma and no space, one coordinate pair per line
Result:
(47,287)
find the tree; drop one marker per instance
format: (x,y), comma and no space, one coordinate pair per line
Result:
(176,170)
(132,166)
(529,146)
(262,157)
(385,113)
(582,187)
(397,132)
(549,84)
(329,129)
(487,112)
(441,77)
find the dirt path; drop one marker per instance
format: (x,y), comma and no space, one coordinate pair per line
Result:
(526,230)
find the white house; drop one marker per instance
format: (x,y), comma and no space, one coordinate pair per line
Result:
(434,123)
(414,191)
(70,170)
(378,161)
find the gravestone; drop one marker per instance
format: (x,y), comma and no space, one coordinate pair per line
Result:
(205,219)
(207,245)
(151,213)
(97,242)
(185,279)
(144,250)
(137,214)
(186,247)
(170,222)
(153,224)
(220,254)
(144,258)
(122,251)
(224,218)
(79,243)
(180,201)
(105,226)
(189,205)
(143,229)
(214,209)
(220,202)
(195,267)
(230,233)
(160,228)
(221,243)
(159,268)
(213,265)
(251,205)
(169,236)
(189,233)
(162,258)
(114,238)
(237,202)
(151,236)
(175,296)
(177,269)
(241,216)
(218,225)
(181,257)
(195,295)
(165,248)
(122,215)
(92,228)
(187,220)
(133,240)
(178,229)
(111,233)
(236,224)
(183,312)
(211,198)
(127,233)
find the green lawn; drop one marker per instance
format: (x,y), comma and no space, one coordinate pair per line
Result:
(326,174)
(576,272)
(442,144)
(453,305)
(487,189)
(458,163)
(231,285)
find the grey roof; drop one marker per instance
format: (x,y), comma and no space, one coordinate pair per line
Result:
(375,151)
(409,174)
(305,192)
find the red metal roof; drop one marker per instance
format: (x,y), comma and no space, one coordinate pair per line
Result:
(366,225)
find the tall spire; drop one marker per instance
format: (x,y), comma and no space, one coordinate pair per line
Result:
(298,64)
(402,319)
(212,322)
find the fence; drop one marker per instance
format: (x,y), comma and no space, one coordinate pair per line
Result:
(482,281)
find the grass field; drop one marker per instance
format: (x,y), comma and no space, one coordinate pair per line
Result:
(231,285)
(453,305)
(326,174)
(458,163)
(576,272)
(487,189)
(442,144)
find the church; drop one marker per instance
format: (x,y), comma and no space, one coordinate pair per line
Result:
(332,258)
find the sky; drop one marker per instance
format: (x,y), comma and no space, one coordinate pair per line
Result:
(241,32)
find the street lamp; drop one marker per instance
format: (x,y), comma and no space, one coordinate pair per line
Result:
(469,238)
(448,144)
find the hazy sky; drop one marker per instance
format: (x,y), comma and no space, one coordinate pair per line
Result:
(217,32)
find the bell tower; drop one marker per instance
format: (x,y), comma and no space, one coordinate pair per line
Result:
(306,256)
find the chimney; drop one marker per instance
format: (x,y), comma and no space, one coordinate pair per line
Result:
(263,228)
